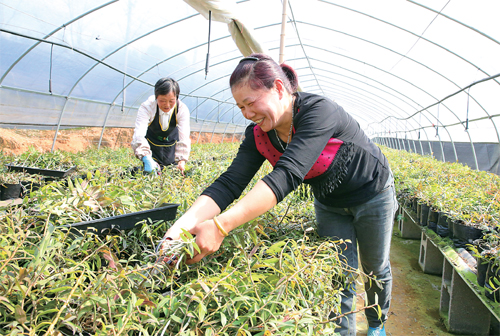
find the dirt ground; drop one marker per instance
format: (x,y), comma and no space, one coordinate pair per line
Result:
(415,295)
(415,303)
(17,141)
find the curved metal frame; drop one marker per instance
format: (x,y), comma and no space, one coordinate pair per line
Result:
(311,68)
(52,33)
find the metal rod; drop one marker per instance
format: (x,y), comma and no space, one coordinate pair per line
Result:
(207,63)
(50,70)
(282,36)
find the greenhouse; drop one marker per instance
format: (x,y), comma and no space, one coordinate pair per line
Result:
(112,224)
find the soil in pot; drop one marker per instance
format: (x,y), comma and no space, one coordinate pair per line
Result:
(424,214)
(10,191)
(432,220)
(442,224)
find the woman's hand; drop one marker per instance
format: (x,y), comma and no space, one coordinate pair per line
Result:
(181,165)
(208,237)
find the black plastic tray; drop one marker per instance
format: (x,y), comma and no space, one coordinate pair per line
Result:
(43,172)
(167,211)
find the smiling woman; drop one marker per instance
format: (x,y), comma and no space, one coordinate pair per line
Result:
(350,177)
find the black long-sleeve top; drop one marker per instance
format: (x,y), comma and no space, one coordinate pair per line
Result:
(358,172)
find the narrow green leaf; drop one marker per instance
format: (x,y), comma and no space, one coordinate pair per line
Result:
(20,314)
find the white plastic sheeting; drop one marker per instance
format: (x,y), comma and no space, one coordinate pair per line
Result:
(404,69)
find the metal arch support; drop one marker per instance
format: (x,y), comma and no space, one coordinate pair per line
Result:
(408,83)
(456,21)
(300,41)
(427,93)
(199,132)
(133,78)
(224,134)
(359,89)
(234,133)
(52,33)
(372,107)
(189,49)
(375,67)
(417,62)
(429,41)
(423,129)
(80,52)
(392,51)
(404,144)
(451,95)
(100,62)
(417,87)
(429,122)
(407,31)
(103,127)
(396,141)
(213,131)
(442,149)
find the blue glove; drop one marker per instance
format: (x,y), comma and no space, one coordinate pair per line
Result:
(149,164)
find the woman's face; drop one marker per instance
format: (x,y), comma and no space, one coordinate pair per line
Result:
(263,106)
(166,102)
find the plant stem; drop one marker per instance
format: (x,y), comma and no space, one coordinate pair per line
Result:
(54,321)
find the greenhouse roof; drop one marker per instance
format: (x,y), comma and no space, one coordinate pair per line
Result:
(406,68)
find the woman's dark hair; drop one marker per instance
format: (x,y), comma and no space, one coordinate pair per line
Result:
(166,85)
(260,70)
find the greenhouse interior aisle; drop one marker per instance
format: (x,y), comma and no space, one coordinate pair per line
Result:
(416,295)
(86,87)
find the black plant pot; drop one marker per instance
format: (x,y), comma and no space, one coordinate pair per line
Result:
(28,187)
(482,269)
(492,282)
(432,220)
(450,227)
(442,225)
(40,171)
(424,214)
(10,191)
(414,205)
(464,234)
(419,207)
(103,226)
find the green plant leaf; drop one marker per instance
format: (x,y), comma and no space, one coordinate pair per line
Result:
(20,315)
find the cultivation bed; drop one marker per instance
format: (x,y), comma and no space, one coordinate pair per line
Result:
(167,211)
(464,306)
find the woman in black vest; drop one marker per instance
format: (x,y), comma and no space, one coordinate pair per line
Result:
(161,135)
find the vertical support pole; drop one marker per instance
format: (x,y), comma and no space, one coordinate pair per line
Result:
(213,131)
(104,126)
(224,134)
(199,133)
(282,36)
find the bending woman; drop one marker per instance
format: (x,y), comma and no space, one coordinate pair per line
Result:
(161,134)
(308,139)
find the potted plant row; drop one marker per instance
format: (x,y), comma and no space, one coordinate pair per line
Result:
(459,204)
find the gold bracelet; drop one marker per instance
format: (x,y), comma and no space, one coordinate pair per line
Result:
(221,229)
